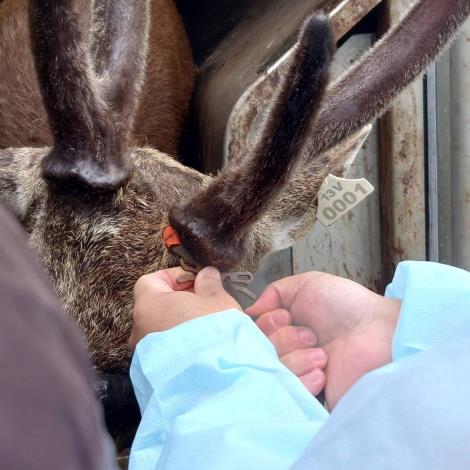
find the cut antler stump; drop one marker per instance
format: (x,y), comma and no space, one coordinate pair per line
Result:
(90,125)
(82,170)
(215,223)
(201,235)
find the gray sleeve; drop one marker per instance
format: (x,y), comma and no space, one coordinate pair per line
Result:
(410,415)
(50,418)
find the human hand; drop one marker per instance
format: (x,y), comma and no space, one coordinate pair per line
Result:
(353,325)
(295,346)
(161,303)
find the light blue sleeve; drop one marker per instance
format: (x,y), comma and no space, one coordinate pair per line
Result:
(435,306)
(214,395)
(414,413)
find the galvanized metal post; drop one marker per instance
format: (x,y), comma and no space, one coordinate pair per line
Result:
(444,160)
(432,166)
(460,146)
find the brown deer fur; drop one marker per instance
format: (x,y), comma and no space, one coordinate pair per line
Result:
(167,87)
(95,244)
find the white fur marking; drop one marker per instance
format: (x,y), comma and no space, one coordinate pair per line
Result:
(282,237)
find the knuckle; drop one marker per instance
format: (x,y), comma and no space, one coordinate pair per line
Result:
(142,283)
(212,290)
(263,323)
(283,339)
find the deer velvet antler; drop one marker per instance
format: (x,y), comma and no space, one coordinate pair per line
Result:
(88,116)
(119,51)
(367,89)
(214,224)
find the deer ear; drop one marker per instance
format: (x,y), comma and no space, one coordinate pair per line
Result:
(286,230)
(344,153)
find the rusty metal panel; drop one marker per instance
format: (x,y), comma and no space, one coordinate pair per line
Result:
(449,206)
(351,246)
(460,146)
(402,174)
(348,13)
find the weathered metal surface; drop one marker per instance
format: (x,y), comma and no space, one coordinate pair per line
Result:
(351,246)
(264,33)
(460,146)
(207,22)
(348,13)
(444,160)
(452,88)
(402,176)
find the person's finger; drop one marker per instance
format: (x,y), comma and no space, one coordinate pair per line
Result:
(302,361)
(163,281)
(270,322)
(170,277)
(208,282)
(279,294)
(185,281)
(292,338)
(314,381)
(269,300)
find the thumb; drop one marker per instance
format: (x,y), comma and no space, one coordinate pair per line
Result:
(208,282)
(268,301)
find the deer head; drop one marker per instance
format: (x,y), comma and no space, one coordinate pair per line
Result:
(95,207)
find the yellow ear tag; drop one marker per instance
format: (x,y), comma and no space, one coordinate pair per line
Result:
(337,196)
